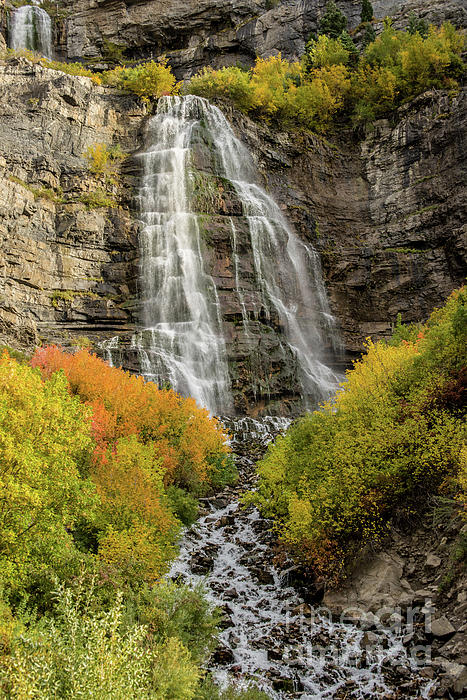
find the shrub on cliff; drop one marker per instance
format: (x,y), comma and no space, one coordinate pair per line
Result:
(231,83)
(45,447)
(148,80)
(393,436)
(331,84)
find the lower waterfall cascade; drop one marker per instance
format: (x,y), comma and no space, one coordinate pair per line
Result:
(269,635)
(182,341)
(31,28)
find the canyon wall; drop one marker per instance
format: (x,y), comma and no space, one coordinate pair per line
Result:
(195,33)
(385,212)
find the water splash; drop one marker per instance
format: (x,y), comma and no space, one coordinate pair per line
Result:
(182,341)
(31,28)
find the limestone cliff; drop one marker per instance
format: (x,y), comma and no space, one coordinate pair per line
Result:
(195,33)
(65,265)
(386,213)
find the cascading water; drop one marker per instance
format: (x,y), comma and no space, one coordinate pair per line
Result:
(269,634)
(31,28)
(182,342)
(288,271)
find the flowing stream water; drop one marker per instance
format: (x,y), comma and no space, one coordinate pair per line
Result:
(31,28)
(269,634)
(182,340)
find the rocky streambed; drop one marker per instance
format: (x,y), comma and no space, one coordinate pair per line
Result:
(270,634)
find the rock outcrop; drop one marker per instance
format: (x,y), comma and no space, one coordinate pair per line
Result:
(417,585)
(67,265)
(386,213)
(196,33)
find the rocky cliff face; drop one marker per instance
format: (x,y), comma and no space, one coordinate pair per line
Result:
(386,213)
(195,33)
(66,265)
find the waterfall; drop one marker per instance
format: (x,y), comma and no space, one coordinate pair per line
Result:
(182,341)
(30,28)
(288,270)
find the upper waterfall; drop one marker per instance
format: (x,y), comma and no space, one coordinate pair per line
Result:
(183,341)
(31,28)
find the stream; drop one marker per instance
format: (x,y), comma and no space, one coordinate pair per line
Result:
(269,635)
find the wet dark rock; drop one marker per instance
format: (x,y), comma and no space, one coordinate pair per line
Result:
(262,575)
(223,655)
(201,564)
(230,594)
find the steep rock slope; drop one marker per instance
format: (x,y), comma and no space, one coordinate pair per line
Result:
(386,215)
(65,265)
(217,32)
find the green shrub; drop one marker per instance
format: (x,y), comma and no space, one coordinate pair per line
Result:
(84,653)
(325,52)
(416,24)
(17,355)
(333,22)
(98,199)
(45,449)
(391,438)
(176,611)
(183,504)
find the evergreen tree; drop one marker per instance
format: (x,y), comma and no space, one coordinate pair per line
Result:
(369,34)
(333,22)
(417,24)
(347,42)
(367,11)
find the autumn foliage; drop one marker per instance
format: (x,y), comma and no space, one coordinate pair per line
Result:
(333,83)
(188,443)
(88,452)
(391,438)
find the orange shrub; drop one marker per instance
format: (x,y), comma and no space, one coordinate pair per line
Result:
(190,444)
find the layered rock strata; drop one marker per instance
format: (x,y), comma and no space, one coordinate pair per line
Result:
(385,212)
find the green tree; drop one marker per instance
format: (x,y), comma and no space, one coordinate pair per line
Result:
(348,44)
(417,25)
(333,22)
(369,35)
(367,11)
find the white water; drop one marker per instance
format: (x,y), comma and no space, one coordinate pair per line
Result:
(182,340)
(288,271)
(30,28)
(289,651)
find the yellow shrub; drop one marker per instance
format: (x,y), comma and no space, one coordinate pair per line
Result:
(148,79)
(392,437)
